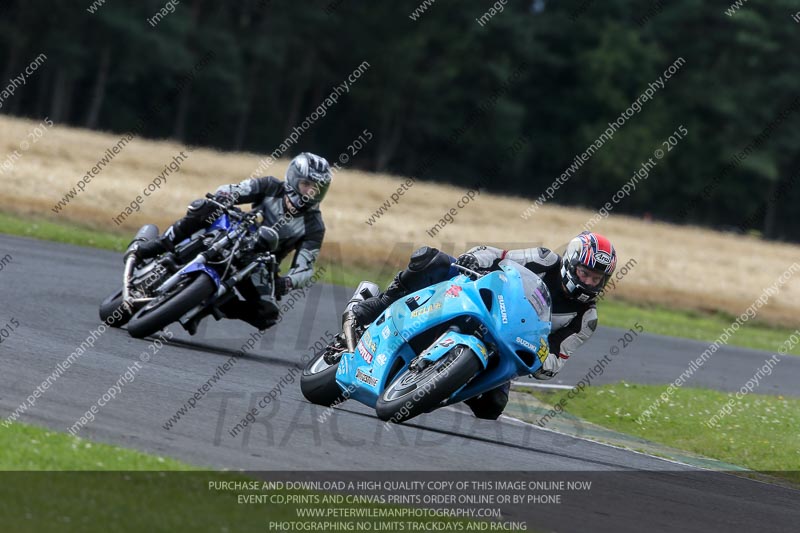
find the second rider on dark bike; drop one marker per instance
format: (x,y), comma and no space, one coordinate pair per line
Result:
(290,207)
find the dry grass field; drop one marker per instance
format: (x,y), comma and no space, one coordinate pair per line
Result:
(677,266)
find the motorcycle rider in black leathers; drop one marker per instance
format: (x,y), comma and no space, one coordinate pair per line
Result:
(290,207)
(574,281)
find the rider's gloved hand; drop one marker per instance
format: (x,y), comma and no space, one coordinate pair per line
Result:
(283,285)
(550,366)
(468,261)
(223,197)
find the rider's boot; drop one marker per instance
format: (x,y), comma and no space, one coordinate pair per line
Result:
(191,325)
(490,404)
(426,266)
(368,310)
(195,219)
(155,247)
(261,314)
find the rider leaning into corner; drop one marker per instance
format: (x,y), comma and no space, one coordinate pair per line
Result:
(574,281)
(290,207)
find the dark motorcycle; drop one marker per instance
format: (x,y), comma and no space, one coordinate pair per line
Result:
(197,278)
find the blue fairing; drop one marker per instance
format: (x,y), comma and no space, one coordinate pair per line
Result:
(513,304)
(223,222)
(201,267)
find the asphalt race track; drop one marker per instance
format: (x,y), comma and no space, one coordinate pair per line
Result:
(52,290)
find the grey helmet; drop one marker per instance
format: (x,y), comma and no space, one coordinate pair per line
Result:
(311,168)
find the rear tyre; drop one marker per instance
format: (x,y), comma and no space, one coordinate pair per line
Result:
(157,315)
(418,391)
(112,312)
(318,382)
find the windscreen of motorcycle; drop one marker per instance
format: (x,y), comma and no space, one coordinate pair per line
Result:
(536,291)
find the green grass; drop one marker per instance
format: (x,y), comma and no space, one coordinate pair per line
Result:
(693,325)
(98,487)
(107,488)
(38,228)
(24,447)
(761,433)
(614,313)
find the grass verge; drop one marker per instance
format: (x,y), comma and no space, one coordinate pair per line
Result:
(99,487)
(694,325)
(56,482)
(614,313)
(760,433)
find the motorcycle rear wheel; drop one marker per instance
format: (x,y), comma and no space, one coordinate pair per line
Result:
(318,382)
(112,306)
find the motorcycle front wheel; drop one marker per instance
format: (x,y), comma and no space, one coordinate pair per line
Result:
(185,296)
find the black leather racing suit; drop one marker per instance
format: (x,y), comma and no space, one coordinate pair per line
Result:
(301,233)
(573,322)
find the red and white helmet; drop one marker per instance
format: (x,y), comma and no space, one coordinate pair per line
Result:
(587,265)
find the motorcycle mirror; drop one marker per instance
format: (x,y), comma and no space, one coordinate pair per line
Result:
(267,238)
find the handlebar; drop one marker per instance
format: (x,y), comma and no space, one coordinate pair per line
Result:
(231,210)
(469,272)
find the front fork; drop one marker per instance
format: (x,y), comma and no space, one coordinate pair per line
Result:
(225,288)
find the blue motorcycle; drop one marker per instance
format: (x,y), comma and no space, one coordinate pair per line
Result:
(441,345)
(194,280)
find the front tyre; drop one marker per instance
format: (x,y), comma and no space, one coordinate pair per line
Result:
(418,391)
(157,315)
(318,382)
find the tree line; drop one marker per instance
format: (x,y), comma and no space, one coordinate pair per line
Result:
(446,95)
